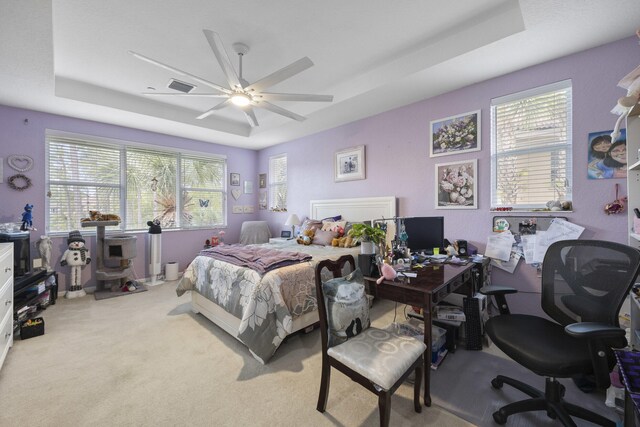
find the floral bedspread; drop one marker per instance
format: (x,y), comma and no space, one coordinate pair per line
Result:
(265,304)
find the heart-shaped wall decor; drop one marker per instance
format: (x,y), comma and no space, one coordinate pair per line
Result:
(20,162)
(236,193)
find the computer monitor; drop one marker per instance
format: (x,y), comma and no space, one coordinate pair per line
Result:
(424,233)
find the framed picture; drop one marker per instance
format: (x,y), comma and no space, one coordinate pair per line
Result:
(285,234)
(248,187)
(262,180)
(607,159)
(350,164)
(456,134)
(456,185)
(234,179)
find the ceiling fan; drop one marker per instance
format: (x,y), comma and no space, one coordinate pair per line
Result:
(240,92)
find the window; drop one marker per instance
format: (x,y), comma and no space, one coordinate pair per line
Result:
(531,157)
(140,184)
(278,183)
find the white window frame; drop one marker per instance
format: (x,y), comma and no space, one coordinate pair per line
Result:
(122,145)
(274,183)
(551,147)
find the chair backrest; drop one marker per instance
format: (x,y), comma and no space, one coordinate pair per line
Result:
(253,232)
(336,269)
(587,280)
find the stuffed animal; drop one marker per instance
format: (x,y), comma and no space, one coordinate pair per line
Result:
(27,218)
(342,242)
(306,237)
(76,256)
(388,273)
(97,216)
(630,82)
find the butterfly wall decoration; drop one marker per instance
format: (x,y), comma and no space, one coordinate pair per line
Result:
(204,203)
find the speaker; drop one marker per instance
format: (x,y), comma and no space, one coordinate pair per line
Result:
(463,248)
(368,266)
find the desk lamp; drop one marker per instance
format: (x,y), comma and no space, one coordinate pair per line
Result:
(293,220)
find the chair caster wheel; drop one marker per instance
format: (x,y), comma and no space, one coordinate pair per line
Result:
(496,383)
(499,417)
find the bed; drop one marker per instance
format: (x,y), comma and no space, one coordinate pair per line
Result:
(260,310)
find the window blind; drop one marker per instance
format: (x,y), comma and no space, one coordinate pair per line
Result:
(278,182)
(531,155)
(182,190)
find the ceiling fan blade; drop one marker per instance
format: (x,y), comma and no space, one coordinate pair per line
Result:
(209,95)
(223,59)
(251,116)
(180,72)
(212,110)
(279,110)
(282,74)
(269,96)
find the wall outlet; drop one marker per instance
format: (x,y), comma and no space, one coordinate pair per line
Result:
(37,263)
(248,209)
(237,209)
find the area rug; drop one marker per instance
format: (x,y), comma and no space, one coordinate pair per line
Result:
(462,385)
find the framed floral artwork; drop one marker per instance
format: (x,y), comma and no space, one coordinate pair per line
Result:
(456,134)
(350,164)
(456,185)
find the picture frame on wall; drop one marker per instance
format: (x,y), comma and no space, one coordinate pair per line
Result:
(349,164)
(455,134)
(248,187)
(457,185)
(262,180)
(262,202)
(234,179)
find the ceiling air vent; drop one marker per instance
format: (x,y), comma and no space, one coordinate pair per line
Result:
(180,86)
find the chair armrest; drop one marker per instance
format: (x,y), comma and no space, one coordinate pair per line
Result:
(499,293)
(600,338)
(497,290)
(594,330)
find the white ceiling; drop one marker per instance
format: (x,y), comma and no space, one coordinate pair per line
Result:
(71,57)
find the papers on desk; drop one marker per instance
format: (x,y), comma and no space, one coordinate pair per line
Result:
(505,251)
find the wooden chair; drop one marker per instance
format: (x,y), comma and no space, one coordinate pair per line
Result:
(390,358)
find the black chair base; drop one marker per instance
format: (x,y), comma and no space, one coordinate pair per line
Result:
(551,400)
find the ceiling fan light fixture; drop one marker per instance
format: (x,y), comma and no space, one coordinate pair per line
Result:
(240,99)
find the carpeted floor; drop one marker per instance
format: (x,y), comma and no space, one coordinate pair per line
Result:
(462,385)
(147,360)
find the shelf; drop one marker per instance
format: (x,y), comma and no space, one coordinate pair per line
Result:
(635,236)
(635,166)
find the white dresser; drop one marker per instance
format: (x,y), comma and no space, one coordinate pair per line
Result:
(6,299)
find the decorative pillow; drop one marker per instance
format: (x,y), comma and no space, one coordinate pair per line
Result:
(347,307)
(309,224)
(323,237)
(337,226)
(332,218)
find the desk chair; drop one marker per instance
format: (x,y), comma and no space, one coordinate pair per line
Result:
(377,359)
(584,283)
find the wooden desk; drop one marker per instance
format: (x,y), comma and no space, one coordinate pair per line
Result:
(432,285)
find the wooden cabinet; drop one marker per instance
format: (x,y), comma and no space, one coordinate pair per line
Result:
(6,299)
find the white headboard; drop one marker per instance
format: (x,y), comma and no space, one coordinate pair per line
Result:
(355,209)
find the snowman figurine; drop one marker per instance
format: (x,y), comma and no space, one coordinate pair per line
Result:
(76,256)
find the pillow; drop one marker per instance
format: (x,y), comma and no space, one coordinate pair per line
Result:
(337,226)
(347,307)
(332,218)
(324,237)
(309,223)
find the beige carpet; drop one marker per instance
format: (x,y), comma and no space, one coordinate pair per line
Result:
(146,360)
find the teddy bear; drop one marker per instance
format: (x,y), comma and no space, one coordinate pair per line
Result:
(342,242)
(306,237)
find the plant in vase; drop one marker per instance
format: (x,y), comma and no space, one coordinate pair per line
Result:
(363,233)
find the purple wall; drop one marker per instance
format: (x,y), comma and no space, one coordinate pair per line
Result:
(398,163)
(18,137)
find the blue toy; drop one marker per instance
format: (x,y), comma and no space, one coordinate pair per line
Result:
(27,218)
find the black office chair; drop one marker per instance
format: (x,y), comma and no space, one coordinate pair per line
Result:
(377,359)
(583,286)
